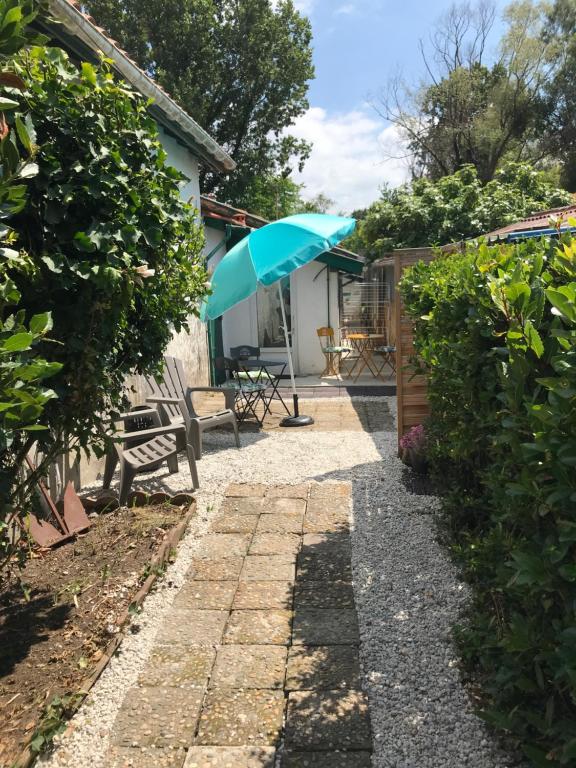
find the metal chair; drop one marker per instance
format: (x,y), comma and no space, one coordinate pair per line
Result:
(388,354)
(168,392)
(246,392)
(332,353)
(350,357)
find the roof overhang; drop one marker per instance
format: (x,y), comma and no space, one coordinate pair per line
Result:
(239,222)
(81,35)
(343,261)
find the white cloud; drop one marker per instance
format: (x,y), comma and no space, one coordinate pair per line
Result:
(345,10)
(350,157)
(304,6)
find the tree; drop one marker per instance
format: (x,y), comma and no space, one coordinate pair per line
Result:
(471,110)
(560,91)
(239,67)
(274,197)
(455,208)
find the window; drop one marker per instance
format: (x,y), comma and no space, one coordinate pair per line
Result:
(270,333)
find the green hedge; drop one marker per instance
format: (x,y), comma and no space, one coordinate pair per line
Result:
(496,334)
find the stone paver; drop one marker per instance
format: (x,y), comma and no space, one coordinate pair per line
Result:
(323,594)
(260,648)
(331,506)
(230,757)
(235,524)
(157,717)
(206,595)
(324,543)
(299,491)
(253,595)
(274,544)
(325,626)
(280,522)
(269,568)
(323,568)
(279,506)
(219,545)
(170,665)
(216,569)
(259,628)
(241,718)
(321,521)
(327,667)
(249,666)
(193,628)
(136,757)
(355,759)
(329,720)
(242,506)
(245,490)
(330,491)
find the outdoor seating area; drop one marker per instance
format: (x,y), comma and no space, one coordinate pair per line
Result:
(287,384)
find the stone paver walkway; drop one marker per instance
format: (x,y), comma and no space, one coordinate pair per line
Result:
(257,664)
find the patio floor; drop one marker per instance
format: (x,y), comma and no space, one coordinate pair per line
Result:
(246,653)
(257,664)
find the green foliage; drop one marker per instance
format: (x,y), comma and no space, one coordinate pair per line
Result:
(241,69)
(455,208)
(274,197)
(23,395)
(115,252)
(54,718)
(496,336)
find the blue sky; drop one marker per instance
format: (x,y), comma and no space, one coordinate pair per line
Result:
(358,46)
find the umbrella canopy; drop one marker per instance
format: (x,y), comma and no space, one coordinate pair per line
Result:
(269,254)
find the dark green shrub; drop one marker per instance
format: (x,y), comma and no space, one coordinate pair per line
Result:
(117,253)
(23,394)
(496,335)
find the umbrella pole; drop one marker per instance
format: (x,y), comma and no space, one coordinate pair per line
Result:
(297,420)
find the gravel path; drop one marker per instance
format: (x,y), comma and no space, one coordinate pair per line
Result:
(407,597)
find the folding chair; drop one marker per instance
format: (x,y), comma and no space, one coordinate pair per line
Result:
(247,393)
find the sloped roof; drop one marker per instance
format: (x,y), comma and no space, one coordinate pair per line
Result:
(539,220)
(84,28)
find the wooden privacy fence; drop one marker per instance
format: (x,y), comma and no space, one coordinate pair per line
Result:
(411,390)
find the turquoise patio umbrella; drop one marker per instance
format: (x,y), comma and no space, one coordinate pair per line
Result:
(267,255)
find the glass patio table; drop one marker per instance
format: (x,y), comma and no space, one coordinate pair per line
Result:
(364,344)
(257,371)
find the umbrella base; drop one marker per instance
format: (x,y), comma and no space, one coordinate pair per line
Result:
(297,421)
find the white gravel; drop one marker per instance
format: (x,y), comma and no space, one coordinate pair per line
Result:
(407,595)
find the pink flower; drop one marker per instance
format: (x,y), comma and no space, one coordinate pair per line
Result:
(414,439)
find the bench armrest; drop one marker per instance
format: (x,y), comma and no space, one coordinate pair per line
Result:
(162,399)
(134,414)
(149,433)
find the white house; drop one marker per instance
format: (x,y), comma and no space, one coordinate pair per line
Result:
(187,145)
(313,296)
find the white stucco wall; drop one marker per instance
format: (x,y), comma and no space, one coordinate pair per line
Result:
(309,298)
(314,305)
(192,347)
